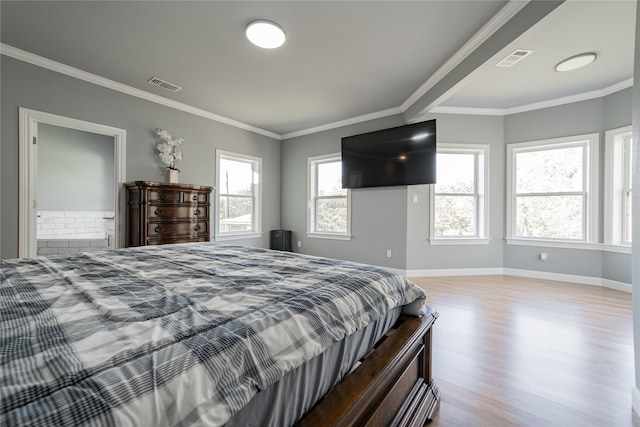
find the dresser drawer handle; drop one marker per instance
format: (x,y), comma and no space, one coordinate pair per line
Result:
(163,196)
(197,212)
(158,229)
(158,212)
(197,227)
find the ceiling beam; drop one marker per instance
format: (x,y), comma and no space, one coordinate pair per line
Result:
(521,22)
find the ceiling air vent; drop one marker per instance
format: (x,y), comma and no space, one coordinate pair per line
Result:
(164,84)
(514,58)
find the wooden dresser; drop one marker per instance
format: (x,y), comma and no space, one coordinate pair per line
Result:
(160,213)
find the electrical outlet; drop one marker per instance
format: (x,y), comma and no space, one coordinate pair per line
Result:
(388,253)
(415,198)
(299,244)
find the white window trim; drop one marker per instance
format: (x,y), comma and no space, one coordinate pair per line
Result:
(569,245)
(614,174)
(330,236)
(482,217)
(311,177)
(460,241)
(590,170)
(257,214)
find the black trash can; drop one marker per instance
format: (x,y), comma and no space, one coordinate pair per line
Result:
(281,240)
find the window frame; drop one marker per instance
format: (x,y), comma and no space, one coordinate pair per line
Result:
(590,193)
(617,184)
(481,195)
(312,189)
(256,166)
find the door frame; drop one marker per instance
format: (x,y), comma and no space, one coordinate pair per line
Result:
(28,175)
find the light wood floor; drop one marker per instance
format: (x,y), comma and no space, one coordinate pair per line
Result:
(511,351)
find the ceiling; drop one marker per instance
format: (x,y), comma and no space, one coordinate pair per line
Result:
(342,61)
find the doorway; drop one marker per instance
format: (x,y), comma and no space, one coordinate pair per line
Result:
(76,191)
(71,172)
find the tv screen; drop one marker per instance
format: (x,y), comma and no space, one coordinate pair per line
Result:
(404,155)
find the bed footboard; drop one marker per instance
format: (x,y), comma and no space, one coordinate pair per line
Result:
(392,386)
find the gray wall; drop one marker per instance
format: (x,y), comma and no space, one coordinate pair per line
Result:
(592,116)
(378,215)
(636,217)
(617,109)
(381,221)
(564,120)
(387,218)
(75,170)
(467,129)
(25,85)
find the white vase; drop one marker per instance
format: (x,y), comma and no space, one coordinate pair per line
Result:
(173,176)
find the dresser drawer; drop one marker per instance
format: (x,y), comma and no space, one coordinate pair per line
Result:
(158,195)
(172,228)
(155,212)
(170,240)
(195,197)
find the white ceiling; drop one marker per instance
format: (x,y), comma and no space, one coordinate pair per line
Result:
(342,59)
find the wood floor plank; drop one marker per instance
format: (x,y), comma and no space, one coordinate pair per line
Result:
(513,351)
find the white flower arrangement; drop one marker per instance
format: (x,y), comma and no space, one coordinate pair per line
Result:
(167,148)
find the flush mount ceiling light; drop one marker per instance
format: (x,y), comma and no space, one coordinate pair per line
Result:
(576,62)
(265,34)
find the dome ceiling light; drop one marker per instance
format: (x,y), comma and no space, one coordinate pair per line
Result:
(576,62)
(265,34)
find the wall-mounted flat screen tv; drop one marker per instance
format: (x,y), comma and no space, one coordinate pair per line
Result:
(404,155)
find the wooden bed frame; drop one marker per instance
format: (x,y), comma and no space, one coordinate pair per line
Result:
(392,386)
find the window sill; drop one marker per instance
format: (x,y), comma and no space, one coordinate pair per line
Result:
(237,236)
(555,244)
(329,236)
(611,247)
(460,241)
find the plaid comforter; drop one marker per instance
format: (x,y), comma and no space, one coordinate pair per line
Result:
(171,335)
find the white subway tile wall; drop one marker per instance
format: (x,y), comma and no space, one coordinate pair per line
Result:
(61,232)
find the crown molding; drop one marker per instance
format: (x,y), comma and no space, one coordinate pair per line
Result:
(572,98)
(49,64)
(58,67)
(445,109)
(346,122)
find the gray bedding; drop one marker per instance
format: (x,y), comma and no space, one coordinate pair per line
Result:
(172,335)
(288,400)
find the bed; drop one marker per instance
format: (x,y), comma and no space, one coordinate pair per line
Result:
(209,334)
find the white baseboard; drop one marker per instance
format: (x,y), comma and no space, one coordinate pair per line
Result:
(635,399)
(455,272)
(618,286)
(558,277)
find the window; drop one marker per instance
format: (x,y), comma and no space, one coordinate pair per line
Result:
(238,191)
(329,205)
(459,199)
(626,190)
(553,189)
(618,153)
